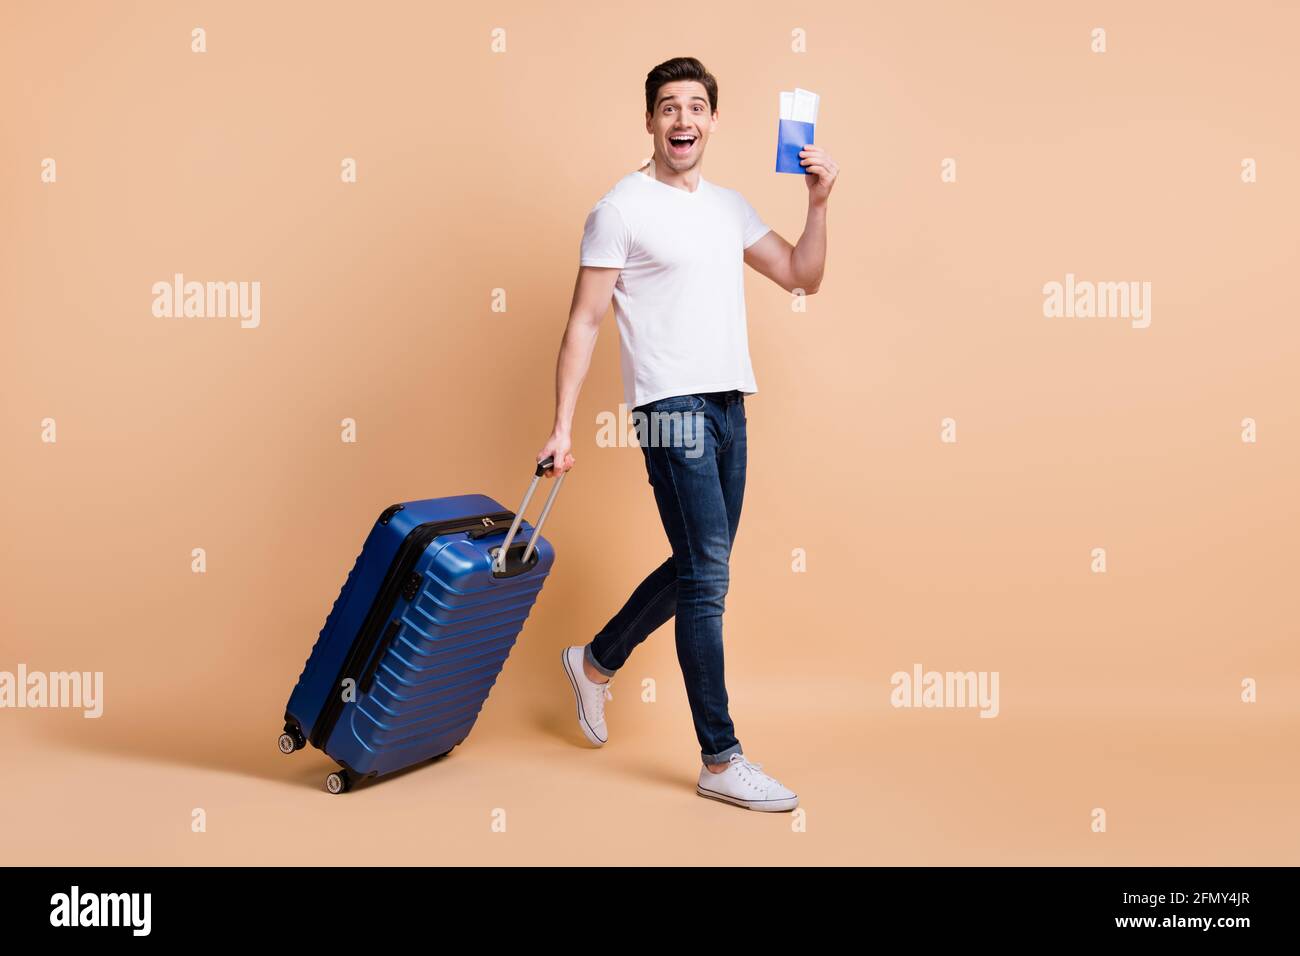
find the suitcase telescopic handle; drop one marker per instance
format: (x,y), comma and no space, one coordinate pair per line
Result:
(499,562)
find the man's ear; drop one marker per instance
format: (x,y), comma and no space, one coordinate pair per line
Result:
(648,127)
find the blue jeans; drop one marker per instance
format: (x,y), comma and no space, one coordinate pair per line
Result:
(695,456)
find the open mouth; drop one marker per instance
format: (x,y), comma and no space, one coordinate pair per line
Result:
(679,144)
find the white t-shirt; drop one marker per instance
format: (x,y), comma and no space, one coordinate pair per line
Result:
(680,297)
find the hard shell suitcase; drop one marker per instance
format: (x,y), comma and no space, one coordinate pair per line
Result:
(419,633)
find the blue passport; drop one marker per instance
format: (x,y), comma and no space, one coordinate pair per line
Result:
(792,136)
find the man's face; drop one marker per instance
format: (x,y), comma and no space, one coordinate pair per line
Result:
(681,124)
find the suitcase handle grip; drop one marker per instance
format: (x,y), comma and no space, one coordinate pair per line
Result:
(499,562)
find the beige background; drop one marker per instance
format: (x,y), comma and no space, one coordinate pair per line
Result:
(476,172)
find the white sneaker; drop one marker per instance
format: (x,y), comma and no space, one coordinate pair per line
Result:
(745,785)
(591,696)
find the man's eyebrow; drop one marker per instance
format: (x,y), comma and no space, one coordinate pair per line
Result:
(662,98)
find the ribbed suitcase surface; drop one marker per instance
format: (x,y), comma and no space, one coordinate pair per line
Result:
(418,634)
(448,645)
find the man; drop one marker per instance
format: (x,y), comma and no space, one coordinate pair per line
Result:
(668,246)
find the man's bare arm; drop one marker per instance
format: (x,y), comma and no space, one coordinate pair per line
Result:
(793,267)
(592,292)
(800,266)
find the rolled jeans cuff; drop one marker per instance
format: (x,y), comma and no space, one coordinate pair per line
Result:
(590,658)
(721,757)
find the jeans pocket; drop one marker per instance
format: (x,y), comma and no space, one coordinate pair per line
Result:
(678,425)
(676,403)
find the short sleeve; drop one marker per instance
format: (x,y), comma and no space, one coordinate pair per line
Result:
(605,237)
(755,227)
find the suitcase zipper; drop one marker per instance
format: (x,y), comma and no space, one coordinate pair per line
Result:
(373,629)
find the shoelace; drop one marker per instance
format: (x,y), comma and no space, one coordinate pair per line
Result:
(601,698)
(754,769)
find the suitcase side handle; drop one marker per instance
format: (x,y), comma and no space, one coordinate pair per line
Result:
(499,561)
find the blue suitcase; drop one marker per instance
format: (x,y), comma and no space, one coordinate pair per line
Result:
(419,633)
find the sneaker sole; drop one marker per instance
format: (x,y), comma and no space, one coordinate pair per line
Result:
(770,806)
(577,694)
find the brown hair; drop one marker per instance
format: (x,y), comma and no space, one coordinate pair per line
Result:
(679,68)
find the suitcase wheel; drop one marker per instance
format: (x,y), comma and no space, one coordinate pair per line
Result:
(338,782)
(291,740)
